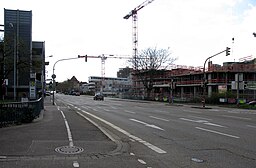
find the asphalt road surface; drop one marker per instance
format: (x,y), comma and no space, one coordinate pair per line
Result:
(81,132)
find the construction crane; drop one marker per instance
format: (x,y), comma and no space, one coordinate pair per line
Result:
(133,13)
(103,58)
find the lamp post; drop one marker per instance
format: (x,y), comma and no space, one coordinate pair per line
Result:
(14,61)
(54,76)
(227,50)
(43,74)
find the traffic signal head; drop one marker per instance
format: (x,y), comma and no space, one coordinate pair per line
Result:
(227,51)
(85,58)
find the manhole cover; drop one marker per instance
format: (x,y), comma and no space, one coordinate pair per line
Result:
(69,150)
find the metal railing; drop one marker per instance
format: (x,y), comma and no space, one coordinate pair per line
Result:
(19,112)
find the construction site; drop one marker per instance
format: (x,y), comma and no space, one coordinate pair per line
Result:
(234,80)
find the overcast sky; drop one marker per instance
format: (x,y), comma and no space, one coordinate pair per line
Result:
(193,29)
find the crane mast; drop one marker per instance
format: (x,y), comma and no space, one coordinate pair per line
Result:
(133,13)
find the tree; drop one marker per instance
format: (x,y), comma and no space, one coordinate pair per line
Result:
(151,63)
(6,58)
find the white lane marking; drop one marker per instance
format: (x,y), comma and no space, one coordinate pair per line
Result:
(159,118)
(154,148)
(243,118)
(212,124)
(127,111)
(216,132)
(71,143)
(251,126)
(196,121)
(146,124)
(203,122)
(75,164)
(3,157)
(198,112)
(132,154)
(106,109)
(142,161)
(200,117)
(113,107)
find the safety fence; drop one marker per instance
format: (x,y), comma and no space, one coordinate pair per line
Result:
(19,112)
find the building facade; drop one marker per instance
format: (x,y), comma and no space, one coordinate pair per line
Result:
(236,78)
(24,68)
(109,86)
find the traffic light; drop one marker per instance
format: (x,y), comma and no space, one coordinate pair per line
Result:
(85,57)
(227,51)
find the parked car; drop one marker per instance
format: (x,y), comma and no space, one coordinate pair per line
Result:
(98,96)
(252,102)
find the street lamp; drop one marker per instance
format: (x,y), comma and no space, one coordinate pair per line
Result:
(14,60)
(54,76)
(227,50)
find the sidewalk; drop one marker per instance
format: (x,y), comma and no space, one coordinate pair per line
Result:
(48,132)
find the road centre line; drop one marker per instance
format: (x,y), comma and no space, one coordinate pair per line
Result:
(149,145)
(216,132)
(162,119)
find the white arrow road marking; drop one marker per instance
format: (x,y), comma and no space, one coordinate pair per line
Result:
(146,124)
(203,122)
(216,132)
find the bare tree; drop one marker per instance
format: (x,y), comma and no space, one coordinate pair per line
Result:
(149,64)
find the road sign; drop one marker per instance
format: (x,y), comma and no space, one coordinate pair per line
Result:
(53,76)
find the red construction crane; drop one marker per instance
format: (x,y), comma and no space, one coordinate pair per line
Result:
(133,13)
(103,58)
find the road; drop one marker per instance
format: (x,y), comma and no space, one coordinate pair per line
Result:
(146,134)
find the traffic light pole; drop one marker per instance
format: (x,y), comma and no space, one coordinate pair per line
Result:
(227,50)
(54,76)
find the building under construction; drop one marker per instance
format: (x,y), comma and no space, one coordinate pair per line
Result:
(186,83)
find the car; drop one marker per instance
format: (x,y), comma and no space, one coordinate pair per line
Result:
(252,102)
(98,96)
